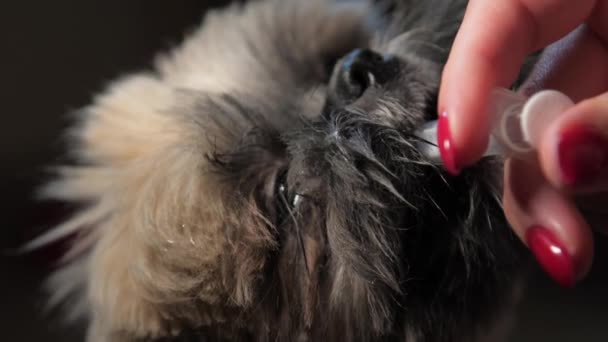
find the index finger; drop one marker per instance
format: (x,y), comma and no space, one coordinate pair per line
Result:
(492,44)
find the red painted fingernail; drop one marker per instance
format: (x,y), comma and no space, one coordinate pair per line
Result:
(446,145)
(552,255)
(583,156)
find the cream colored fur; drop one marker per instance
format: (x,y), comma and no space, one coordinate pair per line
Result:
(153,234)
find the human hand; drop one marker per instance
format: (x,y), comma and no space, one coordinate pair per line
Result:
(552,203)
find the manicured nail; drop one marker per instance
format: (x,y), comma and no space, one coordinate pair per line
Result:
(583,156)
(552,255)
(446,145)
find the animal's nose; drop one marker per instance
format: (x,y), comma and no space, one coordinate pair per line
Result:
(358,71)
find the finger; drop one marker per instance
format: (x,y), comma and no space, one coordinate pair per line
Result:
(547,222)
(494,39)
(574,149)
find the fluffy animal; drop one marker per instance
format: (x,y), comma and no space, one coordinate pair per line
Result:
(263,183)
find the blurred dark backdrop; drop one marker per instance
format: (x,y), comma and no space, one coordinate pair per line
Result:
(54,55)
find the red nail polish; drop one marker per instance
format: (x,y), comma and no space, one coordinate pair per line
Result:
(552,255)
(583,156)
(446,145)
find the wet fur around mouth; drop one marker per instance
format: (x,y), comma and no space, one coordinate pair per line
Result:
(236,193)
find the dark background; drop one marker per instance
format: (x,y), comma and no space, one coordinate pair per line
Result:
(54,55)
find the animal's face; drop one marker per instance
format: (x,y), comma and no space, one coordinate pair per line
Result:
(265,182)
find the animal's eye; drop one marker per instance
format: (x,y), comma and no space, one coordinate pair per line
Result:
(285,201)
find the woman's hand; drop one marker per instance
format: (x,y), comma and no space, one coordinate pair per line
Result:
(553,203)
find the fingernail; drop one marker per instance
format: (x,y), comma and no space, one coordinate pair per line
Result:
(446,145)
(552,255)
(583,156)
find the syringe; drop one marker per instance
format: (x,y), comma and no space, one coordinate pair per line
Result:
(517,123)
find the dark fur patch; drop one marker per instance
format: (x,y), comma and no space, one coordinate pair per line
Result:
(382,244)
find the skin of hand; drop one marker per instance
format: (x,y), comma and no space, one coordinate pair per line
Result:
(554,202)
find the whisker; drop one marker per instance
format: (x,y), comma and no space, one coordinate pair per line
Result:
(425,141)
(435,204)
(298,232)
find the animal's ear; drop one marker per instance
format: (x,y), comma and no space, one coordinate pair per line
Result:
(125,126)
(152,231)
(166,247)
(127,122)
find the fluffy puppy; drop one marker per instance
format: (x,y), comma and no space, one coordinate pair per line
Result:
(263,183)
